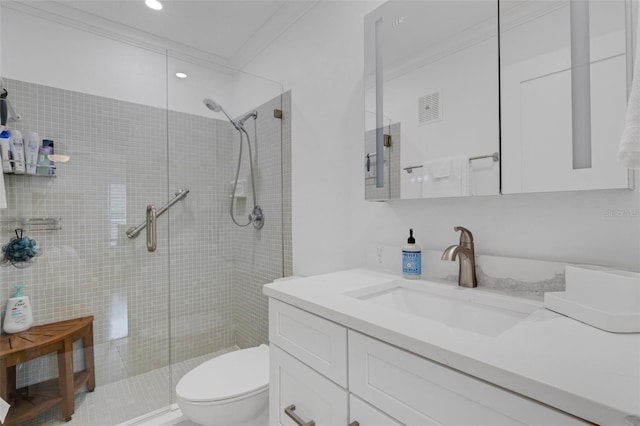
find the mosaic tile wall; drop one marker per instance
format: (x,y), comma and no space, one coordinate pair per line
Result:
(89,267)
(259,255)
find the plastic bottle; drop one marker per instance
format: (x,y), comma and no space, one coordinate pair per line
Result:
(18,316)
(16,145)
(45,166)
(5,152)
(31,147)
(411,258)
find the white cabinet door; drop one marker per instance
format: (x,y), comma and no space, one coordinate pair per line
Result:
(319,343)
(418,391)
(314,396)
(362,414)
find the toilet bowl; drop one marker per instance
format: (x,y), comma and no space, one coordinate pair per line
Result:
(232,389)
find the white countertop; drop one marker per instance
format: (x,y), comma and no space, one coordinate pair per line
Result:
(590,373)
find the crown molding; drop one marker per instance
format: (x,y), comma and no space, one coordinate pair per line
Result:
(57,12)
(510,18)
(286,16)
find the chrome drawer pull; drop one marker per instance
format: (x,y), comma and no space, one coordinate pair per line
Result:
(289,411)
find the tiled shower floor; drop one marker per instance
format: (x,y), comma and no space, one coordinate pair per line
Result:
(119,402)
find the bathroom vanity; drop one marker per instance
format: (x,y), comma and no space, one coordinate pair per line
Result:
(368,347)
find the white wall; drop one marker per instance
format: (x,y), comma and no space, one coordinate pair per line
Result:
(47,52)
(320,59)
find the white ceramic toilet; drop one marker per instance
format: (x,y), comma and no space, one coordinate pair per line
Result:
(232,389)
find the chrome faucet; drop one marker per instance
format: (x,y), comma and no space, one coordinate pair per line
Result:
(464,251)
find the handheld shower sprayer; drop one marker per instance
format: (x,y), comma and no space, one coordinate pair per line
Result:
(238,123)
(257,216)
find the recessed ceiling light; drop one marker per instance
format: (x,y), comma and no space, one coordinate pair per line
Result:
(153,4)
(181,75)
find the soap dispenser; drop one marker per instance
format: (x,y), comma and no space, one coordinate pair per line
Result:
(411,258)
(18,316)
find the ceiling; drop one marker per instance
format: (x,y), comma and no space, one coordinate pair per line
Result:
(229,32)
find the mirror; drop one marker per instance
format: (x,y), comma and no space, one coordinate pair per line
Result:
(564,78)
(431,100)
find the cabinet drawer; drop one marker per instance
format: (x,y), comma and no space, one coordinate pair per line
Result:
(319,343)
(314,396)
(417,391)
(366,415)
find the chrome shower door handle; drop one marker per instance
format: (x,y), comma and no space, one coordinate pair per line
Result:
(152,235)
(289,411)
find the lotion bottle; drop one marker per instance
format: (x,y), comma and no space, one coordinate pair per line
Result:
(18,316)
(411,258)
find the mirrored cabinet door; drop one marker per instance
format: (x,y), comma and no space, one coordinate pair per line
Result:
(564,73)
(431,100)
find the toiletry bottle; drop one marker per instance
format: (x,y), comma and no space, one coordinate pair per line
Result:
(31,147)
(411,258)
(5,152)
(45,166)
(18,316)
(16,145)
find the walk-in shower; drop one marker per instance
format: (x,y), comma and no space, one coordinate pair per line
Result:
(136,134)
(257,215)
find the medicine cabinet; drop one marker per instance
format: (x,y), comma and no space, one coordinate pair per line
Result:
(482,97)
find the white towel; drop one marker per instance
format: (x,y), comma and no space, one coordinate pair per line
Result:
(4,406)
(441,168)
(629,153)
(454,185)
(3,193)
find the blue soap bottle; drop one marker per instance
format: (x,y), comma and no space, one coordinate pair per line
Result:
(411,258)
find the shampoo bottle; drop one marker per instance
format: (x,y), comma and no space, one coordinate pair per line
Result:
(411,258)
(18,316)
(16,145)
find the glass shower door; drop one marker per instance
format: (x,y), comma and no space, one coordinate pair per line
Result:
(218,268)
(103,103)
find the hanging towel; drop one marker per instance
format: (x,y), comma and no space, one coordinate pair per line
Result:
(3,193)
(453,185)
(441,168)
(629,153)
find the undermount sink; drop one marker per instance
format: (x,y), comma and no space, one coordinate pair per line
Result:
(462,308)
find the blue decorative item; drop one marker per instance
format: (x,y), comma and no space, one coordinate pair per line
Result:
(20,251)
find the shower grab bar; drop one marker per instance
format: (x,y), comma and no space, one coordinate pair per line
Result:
(135,231)
(495,156)
(152,235)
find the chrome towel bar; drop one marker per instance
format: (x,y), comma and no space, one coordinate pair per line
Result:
(495,156)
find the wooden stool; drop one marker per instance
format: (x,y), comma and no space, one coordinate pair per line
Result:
(41,340)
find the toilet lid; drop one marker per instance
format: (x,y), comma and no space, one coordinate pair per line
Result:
(228,376)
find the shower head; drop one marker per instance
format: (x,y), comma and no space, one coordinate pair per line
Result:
(238,123)
(216,107)
(212,105)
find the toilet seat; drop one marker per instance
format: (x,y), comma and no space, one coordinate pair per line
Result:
(232,376)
